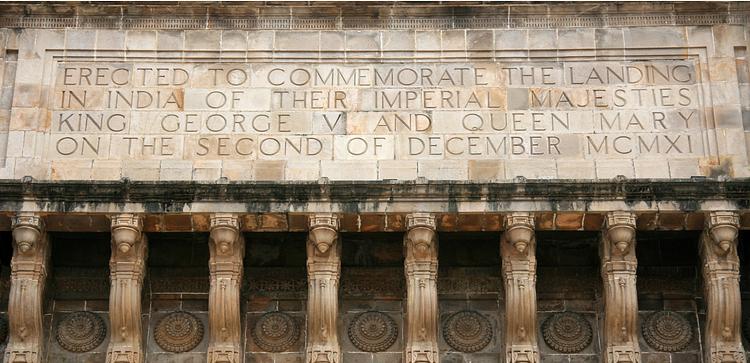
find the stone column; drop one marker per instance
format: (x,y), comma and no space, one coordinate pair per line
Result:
(617,252)
(721,275)
(27,279)
(126,271)
(518,248)
(323,272)
(421,253)
(227,248)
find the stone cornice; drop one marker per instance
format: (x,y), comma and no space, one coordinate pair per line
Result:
(688,192)
(367,15)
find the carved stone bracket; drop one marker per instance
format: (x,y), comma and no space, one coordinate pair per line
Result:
(227,248)
(127,269)
(617,252)
(323,273)
(421,263)
(28,275)
(518,248)
(721,274)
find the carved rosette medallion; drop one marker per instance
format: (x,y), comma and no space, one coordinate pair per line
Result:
(373,331)
(467,331)
(567,332)
(667,331)
(3,329)
(275,332)
(81,332)
(178,332)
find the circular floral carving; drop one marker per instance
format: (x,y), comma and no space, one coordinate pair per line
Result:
(3,329)
(81,331)
(567,332)
(467,331)
(178,332)
(667,331)
(275,332)
(372,331)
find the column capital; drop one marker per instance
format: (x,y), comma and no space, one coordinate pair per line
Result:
(127,220)
(519,219)
(425,220)
(619,218)
(225,220)
(27,219)
(324,220)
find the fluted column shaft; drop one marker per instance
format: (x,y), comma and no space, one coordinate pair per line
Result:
(721,281)
(518,248)
(619,263)
(29,267)
(323,272)
(227,249)
(127,269)
(421,253)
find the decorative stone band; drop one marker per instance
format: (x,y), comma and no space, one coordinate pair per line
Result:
(396,23)
(30,220)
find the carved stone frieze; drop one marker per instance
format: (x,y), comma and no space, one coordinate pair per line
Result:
(323,273)
(467,331)
(667,331)
(373,331)
(227,249)
(178,332)
(619,263)
(127,270)
(518,249)
(275,332)
(29,267)
(567,332)
(421,265)
(81,331)
(721,275)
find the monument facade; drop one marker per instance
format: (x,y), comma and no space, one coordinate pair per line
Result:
(374,182)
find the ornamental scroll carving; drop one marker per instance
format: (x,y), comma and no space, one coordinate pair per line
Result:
(178,332)
(275,332)
(567,332)
(127,269)
(421,263)
(28,275)
(721,274)
(518,248)
(323,272)
(667,331)
(227,248)
(467,331)
(81,332)
(373,331)
(617,252)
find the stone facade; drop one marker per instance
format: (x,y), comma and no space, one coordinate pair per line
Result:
(374,182)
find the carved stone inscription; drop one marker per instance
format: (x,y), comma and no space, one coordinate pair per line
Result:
(257,111)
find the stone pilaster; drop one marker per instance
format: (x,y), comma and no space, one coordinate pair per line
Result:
(227,248)
(323,272)
(421,263)
(126,271)
(721,275)
(617,252)
(27,279)
(518,250)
